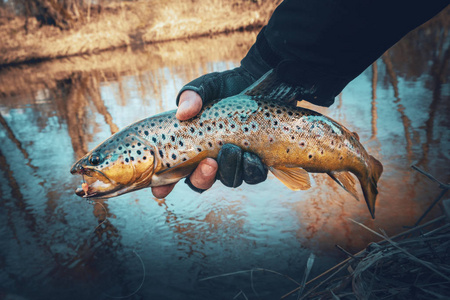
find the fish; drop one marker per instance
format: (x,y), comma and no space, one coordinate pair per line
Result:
(291,141)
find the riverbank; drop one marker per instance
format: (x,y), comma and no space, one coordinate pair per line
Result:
(128,24)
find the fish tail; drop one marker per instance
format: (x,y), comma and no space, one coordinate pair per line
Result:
(369,183)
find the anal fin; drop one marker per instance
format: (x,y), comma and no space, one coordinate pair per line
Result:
(294,178)
(346,180)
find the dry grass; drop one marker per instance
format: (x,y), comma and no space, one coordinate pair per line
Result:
(129,23)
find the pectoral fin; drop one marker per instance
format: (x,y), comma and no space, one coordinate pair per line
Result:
(294,178)
(181,170)
(346,180)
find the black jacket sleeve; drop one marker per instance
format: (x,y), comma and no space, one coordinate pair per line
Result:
(323,45)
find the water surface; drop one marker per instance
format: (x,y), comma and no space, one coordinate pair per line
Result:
(55,245)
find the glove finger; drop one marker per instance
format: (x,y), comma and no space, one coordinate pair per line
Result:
(254,171)
(230,165)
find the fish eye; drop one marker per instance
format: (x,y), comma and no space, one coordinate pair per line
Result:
(95,159)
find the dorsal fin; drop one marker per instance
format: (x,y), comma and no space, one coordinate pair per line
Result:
(270,86)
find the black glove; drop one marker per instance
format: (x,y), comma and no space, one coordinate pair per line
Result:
(219,85)
(236,166)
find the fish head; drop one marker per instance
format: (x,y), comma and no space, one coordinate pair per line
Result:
(122,163)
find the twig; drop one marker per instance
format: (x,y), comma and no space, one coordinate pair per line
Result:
(439,197)
(346,252)
(441,185)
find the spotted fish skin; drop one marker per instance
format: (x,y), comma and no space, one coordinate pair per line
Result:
(291,141)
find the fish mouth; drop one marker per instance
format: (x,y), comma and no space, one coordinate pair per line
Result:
(98,185)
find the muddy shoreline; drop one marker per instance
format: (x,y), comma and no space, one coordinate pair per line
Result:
(127,24)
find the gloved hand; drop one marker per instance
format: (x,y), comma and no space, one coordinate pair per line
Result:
(236,166)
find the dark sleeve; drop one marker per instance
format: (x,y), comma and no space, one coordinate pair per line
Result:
(323,45)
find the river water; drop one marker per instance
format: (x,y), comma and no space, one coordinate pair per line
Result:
(55,245)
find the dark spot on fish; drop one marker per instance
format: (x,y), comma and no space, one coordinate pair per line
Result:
(267,114)
(161,153)
(125,152)
(272,105)
(270,139)
(332,142)
(233,126)
(312,126)
(172,138)
(286,128)
(239,107)
(341,158)
(152,152)
(278,111)
(199,149)
(245,129)
(200,133)
(133,146)
(181,143)
(302,144)
(174,156)
(160,120)
(135,128)
(144,158)
(184,158)
(287,150)
(168,165)
(310,156)
(275,123)
(339,146)
(139,152)
(290,113)
(120,148)
(220,143)
(246,143)
(163,136)
(154,139)
(107,163)
(192,129)
(146,132)
(208,128)
(266,107)
(216,114)
(253,126)
(127,160)
(209,144)
(292,137)
(220,126)
(321,152)
(132,158)
(127,144)
(139,144)
(152,124)
(201,124)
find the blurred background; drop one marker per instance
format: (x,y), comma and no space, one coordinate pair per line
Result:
(74,72)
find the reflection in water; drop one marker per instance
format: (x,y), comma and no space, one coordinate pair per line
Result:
(54,112)
(374,102)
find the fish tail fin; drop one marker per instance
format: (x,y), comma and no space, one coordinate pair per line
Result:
(369,183)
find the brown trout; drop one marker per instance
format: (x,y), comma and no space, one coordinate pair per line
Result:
(291,142)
